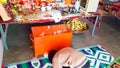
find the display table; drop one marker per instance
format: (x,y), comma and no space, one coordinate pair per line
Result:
(3,34)
(42,17)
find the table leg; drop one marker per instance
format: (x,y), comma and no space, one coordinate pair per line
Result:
(95,24)
(3,35)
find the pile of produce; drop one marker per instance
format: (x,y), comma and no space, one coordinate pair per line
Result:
(77,25)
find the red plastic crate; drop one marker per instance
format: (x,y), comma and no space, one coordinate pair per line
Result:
(50,37)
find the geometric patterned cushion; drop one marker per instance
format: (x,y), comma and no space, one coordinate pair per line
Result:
(97,56)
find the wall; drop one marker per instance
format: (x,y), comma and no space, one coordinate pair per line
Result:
(1,52)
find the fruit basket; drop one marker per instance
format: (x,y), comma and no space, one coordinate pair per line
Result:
(77,25)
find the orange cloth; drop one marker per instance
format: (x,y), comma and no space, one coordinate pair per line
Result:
(68,1)
(68,57)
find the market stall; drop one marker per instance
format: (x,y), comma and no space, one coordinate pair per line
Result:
(33,11)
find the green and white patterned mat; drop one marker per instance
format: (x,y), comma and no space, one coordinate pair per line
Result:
(97,56)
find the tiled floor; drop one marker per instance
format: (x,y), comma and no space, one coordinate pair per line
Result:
(19,43)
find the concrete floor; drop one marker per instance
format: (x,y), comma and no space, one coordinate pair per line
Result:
(19,43)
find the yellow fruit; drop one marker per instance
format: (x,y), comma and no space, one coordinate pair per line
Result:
(3,1)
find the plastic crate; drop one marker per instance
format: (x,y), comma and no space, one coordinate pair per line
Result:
(50,37)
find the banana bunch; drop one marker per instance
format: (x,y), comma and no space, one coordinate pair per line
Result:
(76,25)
